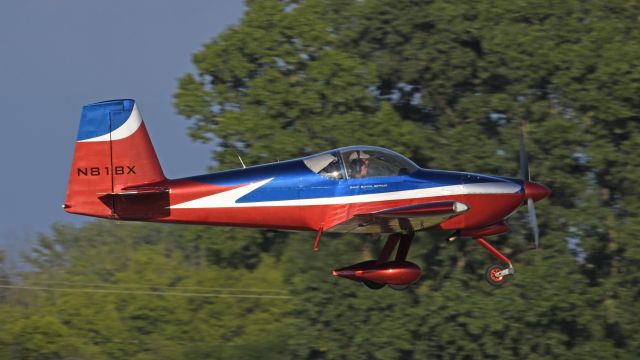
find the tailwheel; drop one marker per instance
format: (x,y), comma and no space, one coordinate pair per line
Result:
(496,275)
(372,284)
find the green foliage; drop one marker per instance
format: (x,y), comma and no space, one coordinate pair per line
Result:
(143,293)
(278,87)
(448,84)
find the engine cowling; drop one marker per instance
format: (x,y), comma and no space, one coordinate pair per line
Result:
(495,229)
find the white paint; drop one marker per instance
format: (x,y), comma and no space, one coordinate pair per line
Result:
(459,207)
(227,199)
(223,199)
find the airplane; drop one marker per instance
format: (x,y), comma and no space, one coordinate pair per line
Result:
(115,174)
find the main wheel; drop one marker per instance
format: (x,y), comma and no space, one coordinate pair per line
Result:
(373,285)
(491,275)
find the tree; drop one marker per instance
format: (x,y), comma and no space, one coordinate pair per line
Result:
(464,78)
(277,87)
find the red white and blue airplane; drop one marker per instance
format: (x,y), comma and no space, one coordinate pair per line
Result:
(357,189)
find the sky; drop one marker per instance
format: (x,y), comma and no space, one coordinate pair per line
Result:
(56,56)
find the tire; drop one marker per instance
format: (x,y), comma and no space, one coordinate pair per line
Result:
(372,285)
(400,287)
(492,279)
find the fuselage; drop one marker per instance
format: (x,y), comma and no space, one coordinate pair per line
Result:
(291,195)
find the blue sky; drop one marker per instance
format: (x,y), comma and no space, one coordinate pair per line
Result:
(57,55)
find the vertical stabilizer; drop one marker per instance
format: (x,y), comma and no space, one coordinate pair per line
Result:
(113,151)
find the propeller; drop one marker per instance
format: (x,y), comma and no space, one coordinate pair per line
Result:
(533,221)
(533,191)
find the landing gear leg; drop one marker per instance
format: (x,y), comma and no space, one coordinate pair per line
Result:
(401,255)
(403,248)
(376,273)
(403,242)
(385,254)
(391,243)
(496,275)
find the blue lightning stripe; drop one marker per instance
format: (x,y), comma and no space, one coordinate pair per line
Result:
(292,180)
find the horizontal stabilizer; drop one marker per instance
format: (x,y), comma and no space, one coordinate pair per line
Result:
(147,190)
(138,203)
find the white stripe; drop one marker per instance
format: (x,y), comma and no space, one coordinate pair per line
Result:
(221,200)
(129,127)
(492,188)
(228,199)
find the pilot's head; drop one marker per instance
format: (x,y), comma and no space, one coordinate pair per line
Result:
(358,164)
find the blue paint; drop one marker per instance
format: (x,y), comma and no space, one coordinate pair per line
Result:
(292,180)
(103,117)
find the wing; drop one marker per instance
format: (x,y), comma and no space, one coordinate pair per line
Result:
(405,218)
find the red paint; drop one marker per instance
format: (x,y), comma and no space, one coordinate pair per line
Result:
(84,186)
(495,229)
(535,191)
(391,273)
(482,242)
(317,242)
(102,167)
(431,208)
(484,209)
(493,274)
(183,190)
(389,245)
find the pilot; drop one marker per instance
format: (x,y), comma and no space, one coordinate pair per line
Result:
(358,164)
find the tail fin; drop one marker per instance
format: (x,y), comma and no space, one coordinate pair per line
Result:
(113,151)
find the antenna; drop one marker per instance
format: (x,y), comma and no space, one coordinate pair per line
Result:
(241,162)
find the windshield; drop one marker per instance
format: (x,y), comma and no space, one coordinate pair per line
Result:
(326,165)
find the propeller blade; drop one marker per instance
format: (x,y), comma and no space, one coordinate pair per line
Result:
(533,221)
(524,162)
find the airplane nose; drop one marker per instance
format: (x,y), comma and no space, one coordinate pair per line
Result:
(535,191)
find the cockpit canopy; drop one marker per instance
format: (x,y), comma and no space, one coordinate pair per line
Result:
(359,162)
(326,164)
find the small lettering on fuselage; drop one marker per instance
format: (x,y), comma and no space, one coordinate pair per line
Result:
(368,186)
(106,170)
